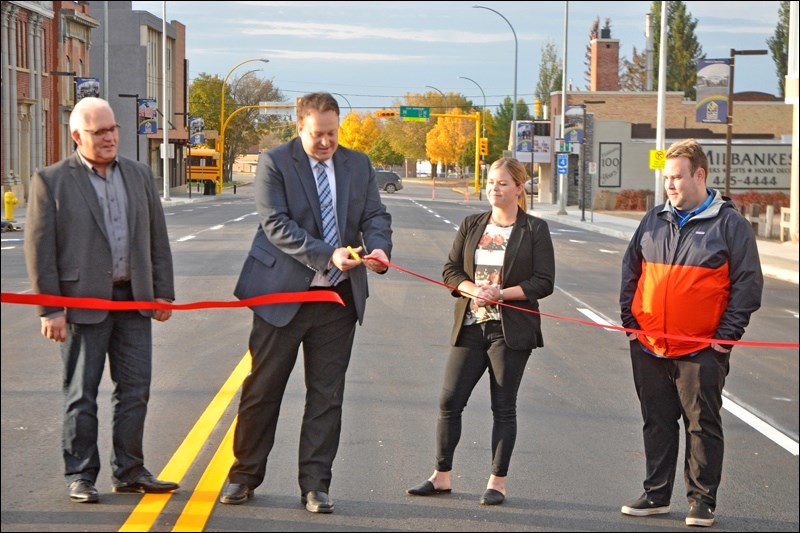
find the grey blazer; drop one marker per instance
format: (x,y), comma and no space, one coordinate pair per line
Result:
(66,246)
(288,248)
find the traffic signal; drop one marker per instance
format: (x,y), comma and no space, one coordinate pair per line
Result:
(484,146)
(537,108)
(386,113)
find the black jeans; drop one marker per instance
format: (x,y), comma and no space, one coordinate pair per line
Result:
(125,337)
(479,347)
(688,388)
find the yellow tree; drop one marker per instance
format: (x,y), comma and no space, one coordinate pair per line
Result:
(445,142)
(359,133)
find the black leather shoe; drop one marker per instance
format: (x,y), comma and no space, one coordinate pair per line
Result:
(426,489)
(235,494)
(146,483)
(492,497)
(317,501)
(83,491)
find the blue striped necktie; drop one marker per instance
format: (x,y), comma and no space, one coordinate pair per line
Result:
(328,218)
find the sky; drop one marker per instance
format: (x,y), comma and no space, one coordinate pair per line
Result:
(370,54)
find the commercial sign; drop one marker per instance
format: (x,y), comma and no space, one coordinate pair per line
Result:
(753,167)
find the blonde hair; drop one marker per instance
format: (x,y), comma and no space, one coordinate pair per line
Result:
(517,172)
(691,150)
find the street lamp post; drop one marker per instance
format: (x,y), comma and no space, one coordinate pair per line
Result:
(483,129)
(346,100)
(514,103)
(135,118)
(445,110)
(221,138)
(729,132)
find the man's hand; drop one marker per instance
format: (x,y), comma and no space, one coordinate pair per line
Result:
(162,315)
(720,348)
(373,260)
(55,329)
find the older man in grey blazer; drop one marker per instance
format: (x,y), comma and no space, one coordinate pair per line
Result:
(95,229)
(314,199)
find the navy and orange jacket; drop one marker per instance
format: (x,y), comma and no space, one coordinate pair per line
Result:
(703,280)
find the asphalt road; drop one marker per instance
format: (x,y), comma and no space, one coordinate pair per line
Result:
(578,455)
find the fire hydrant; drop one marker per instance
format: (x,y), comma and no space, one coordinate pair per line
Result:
(9,201)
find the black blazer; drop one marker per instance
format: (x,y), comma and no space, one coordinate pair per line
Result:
(529,262)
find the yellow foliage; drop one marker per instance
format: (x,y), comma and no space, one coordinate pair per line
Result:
(358,133)
(446,141)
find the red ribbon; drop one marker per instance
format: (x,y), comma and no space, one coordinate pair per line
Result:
(605,326)
(49,300)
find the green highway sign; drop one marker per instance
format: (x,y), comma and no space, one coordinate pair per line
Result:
(415,114)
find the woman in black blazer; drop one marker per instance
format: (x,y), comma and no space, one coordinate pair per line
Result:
(503,256)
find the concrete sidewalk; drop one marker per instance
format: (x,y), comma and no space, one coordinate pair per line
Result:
(778,260)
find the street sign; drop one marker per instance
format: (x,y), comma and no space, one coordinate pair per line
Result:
(562,163)
(657,159)
(415,114)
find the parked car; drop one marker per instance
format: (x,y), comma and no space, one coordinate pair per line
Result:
(388,181)
(532,186)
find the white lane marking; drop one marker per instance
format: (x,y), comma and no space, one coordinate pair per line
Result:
(775,435)
(187,238)
(603,250)
(738,410)
(576,241)
(218,226)
(594,317)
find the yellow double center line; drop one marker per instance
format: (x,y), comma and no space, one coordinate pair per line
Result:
(197,510)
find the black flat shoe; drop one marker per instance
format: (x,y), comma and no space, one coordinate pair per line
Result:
(492,497)
(426,489)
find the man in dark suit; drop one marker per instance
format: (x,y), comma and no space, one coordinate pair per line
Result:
(314,199)
(95,229)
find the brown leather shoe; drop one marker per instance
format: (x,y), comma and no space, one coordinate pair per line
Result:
(146,483)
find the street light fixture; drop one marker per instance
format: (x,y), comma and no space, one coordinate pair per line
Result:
(445,110)
(729,132)
(514,103)
(221,138)
(483,128)
(135,117)
(346,100)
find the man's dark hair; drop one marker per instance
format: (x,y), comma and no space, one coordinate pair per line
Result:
(319,102)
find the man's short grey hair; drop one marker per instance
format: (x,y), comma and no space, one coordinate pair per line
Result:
(77,119)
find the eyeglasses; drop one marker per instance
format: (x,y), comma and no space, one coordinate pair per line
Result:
(102,132)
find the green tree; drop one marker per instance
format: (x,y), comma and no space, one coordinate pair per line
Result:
(550,69)
(779,46)
(245,128)
(683,50)
(633,73)
(500,138)
(382,153)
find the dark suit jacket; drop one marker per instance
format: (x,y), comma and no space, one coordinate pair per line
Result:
(288,248)
(529,262)
(66,245)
